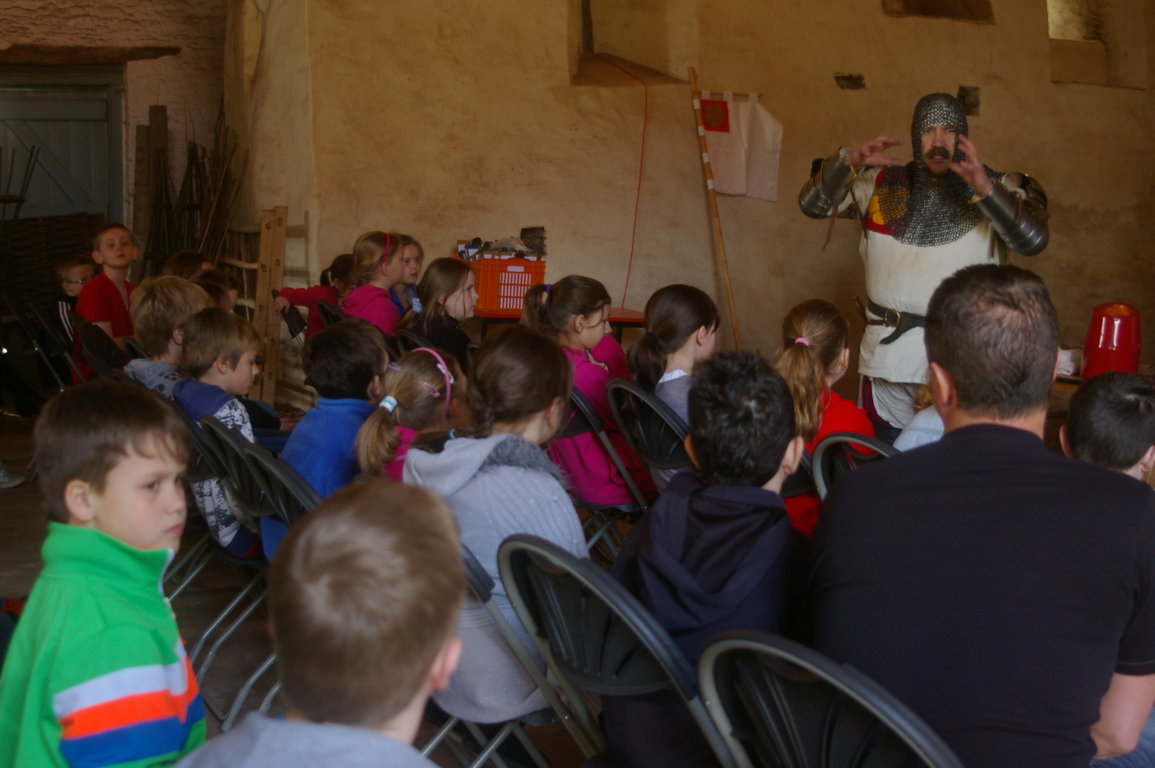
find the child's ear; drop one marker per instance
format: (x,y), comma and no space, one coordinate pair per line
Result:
(445,664)
(688,444)
(1065,442)
(96,257)
(178,336)
(80,501)
(793,455)
(222,365)
(554,415)
(1147,462)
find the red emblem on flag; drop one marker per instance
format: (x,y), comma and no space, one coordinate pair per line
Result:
(716,115)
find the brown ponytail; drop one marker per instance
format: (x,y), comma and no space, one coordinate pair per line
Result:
(814,334)
(549,308)
(673,314)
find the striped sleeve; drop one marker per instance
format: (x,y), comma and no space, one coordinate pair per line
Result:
(131,714)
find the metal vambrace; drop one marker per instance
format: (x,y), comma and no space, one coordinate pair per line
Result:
(1020,219)
(826,189)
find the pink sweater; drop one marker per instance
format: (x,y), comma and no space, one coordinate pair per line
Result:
(373,304)
(591,474)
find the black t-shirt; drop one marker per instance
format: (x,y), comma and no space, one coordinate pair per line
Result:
(993,587)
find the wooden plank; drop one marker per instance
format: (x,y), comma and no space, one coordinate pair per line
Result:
(141,195)
(271,257)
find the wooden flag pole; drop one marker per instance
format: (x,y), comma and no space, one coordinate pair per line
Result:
(716,220)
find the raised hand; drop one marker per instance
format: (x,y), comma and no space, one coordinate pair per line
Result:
(971,169)
(871,153)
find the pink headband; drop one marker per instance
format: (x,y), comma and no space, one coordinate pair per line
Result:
(444,372)
(388,242)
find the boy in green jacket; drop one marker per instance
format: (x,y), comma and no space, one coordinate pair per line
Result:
(96,674)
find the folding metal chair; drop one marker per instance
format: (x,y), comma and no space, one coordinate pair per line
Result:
(409,340)
(777,703)
(45,341)
(654,431)
(98,348)
(134,350)
(594,635)
(600,525)
(481,589)
(329,313)
(841,452)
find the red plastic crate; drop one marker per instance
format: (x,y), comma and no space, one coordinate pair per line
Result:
(502,283)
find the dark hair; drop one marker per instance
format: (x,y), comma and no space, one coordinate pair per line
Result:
(87,429)
(106,229)
(995,331)
(342,359)
(515,375)
(442,278)
(1112,420)
(814,334)
(185,263)
(673,314)
(341,269)
(217,285)
(72,262)
(363,595)
(741,419)
(548,309)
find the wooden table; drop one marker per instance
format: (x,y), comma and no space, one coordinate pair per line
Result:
(620,318)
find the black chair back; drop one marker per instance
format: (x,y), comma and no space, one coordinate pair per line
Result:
(135,351)
(593,634)
(409,340)
(47,342)
(329,313)
(842,452)
(778,703)
(227,447)
(98,348)
(290,495)
(654,431)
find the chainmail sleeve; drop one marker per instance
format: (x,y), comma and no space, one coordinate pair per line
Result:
(827,188)
(1017,209)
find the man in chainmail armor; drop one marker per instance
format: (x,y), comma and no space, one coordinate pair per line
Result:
(921,222)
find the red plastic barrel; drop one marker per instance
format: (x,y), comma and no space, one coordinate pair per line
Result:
(1112,342)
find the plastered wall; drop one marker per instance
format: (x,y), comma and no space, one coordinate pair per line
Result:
(189,84)
(458,118)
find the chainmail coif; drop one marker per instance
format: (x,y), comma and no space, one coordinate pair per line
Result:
(918,207)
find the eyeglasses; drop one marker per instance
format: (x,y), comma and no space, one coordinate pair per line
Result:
(82,281)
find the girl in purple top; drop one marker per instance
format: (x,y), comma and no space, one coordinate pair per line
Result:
(575,311)
(419,392)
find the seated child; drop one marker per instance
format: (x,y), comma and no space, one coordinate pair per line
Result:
(575,312)
(377,267)
(364,632)
(345,363)
(498,483)
(334,285)
(681,331)
(1112,423)
(815,355)
(417,396)
(412,257)
(103,301)
(446,296)
(221,288)
(220,361)
(187,264)
(96,673)
(716,550)
(74,273)
(160,308)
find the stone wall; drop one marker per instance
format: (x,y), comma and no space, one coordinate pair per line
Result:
(189,83)
(460,118)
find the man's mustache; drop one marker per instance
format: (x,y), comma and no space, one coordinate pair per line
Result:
(937,152)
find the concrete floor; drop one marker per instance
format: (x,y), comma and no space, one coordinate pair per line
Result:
(22,532)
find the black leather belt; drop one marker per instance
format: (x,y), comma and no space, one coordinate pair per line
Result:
(901,322)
